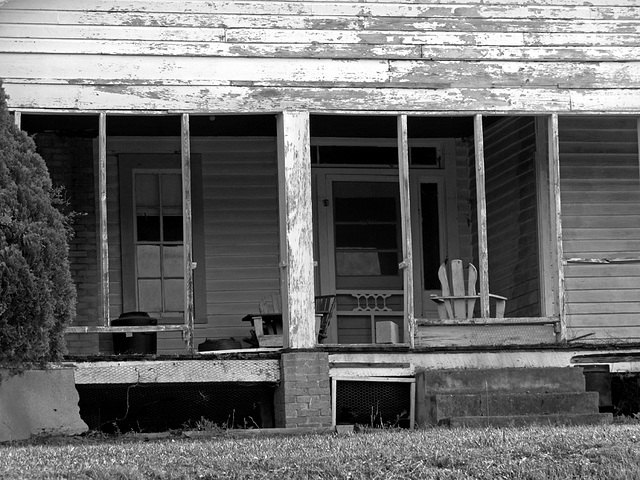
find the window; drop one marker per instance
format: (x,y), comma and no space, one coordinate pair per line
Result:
(159,241)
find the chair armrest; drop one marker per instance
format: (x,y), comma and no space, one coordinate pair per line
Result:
(437,298)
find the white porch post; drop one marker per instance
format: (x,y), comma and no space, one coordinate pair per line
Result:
(296,230)
(405,215)
(102,213)
(187,228)
(556,212)
(483,250)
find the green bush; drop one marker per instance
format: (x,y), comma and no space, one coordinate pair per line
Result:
(37,294)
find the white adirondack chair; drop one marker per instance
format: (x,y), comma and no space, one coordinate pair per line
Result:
(457,300)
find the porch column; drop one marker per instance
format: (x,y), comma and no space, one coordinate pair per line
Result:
(296,231)
(187,228)
(405,214)
(102,214)
(483,250)
(556,226)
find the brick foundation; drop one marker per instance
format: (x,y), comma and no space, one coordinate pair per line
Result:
(303,398)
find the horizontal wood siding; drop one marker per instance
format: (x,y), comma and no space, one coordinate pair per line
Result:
(240,191)
(257,55)
(511,215)
(599,169)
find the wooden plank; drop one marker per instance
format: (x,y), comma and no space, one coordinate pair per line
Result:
(603,270)
(436,322)
(557,252)
(613,296)
(603,283)
(130,98)
(321,22)
(559,52)
(606,335)
(179,371)
(190,5)
(296,238)
(187,230)
(111,69)
(207,48)
(600,248)
(109,329)
(481,206)
(555,10)
(102,213)
(201,40)
(405,215)
(620,101)
(619,318)
(529,74)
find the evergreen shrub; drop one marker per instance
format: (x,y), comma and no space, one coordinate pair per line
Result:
(37,294)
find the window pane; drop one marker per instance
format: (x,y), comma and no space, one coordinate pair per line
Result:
(147,193)
(427,156)
(430,235)
(148,261)
(174,295)
(172,190)
(361,263)
(172,228)
(149,295)
(148,228)
(367,236)
(173,262)
(365,209)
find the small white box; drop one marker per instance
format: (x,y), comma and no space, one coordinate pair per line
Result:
(387,332)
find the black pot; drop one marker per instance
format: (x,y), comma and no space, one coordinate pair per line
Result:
(142,342)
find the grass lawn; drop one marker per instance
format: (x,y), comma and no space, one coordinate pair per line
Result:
(598,452)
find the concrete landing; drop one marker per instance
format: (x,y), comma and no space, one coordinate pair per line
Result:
(505,397)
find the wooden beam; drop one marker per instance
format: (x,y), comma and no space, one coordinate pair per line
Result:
(405,215)
(123,329)
(17,119)
(102,214)
(556,226)
(179,371)
(546,216)
(483,250)
(296,230)
(187,230)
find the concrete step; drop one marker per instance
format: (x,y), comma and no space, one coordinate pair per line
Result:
(509,404)
(513,380)
(524,420)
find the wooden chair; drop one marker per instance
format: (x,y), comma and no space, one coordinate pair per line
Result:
(325,305)
(456,302)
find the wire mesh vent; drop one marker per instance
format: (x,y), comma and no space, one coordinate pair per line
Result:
(374,404)
(161,407)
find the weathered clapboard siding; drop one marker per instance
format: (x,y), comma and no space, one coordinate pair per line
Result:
(241,231)
(511,215)
(615,10)
(601,220)
(114,70)
(192,56)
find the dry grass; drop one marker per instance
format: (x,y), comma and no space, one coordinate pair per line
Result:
(598,452)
